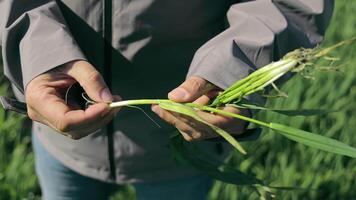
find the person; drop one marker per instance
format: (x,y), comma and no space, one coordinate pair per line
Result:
(144,49)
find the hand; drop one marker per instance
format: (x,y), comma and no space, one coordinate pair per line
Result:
(45,100)
(198,90)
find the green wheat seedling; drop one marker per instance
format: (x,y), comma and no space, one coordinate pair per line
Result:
(299,60)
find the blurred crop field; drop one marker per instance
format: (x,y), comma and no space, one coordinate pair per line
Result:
(272,158)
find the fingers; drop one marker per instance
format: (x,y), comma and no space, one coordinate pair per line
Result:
(92,127)
(192,129)
(46,104)
(187,131)
(190,90)
(80,119)
(199,91)
(75,123)
(90,79)
(203,100)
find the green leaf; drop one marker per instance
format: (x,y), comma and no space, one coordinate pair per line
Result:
(186,110)
(288,112)
(314,140)
(302,112)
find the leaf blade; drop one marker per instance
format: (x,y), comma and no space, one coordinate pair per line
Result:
(314,140)
(287,112)
(186,110)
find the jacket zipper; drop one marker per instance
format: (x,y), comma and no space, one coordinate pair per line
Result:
(107,34)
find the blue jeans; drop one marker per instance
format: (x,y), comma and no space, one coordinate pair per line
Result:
(58,182)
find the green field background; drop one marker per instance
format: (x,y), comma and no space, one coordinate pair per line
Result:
(272,158)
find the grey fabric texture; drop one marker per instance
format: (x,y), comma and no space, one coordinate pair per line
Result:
(35,39)
(259,32)
(156,45)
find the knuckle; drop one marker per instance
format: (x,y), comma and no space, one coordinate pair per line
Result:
(174,122)
(94,76)
(90,80)
(189,134)
(222,121)
(196,84)
(189,121)
(43,94)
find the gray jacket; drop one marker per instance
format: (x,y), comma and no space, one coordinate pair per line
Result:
(153,45)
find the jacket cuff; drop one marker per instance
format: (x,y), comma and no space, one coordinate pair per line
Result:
(35,66)
(222,66)
(219,66)
(36,40)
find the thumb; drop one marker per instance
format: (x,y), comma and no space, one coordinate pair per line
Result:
(190,90)
(90,79)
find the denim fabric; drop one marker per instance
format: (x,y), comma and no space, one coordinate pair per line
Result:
(58,182)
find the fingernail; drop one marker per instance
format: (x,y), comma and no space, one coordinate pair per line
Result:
(178,93)
(106,95)
(156,109)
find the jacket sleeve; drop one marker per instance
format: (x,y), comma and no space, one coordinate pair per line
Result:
(260,32)
(34,39)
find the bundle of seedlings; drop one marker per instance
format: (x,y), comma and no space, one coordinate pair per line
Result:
(298,61)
